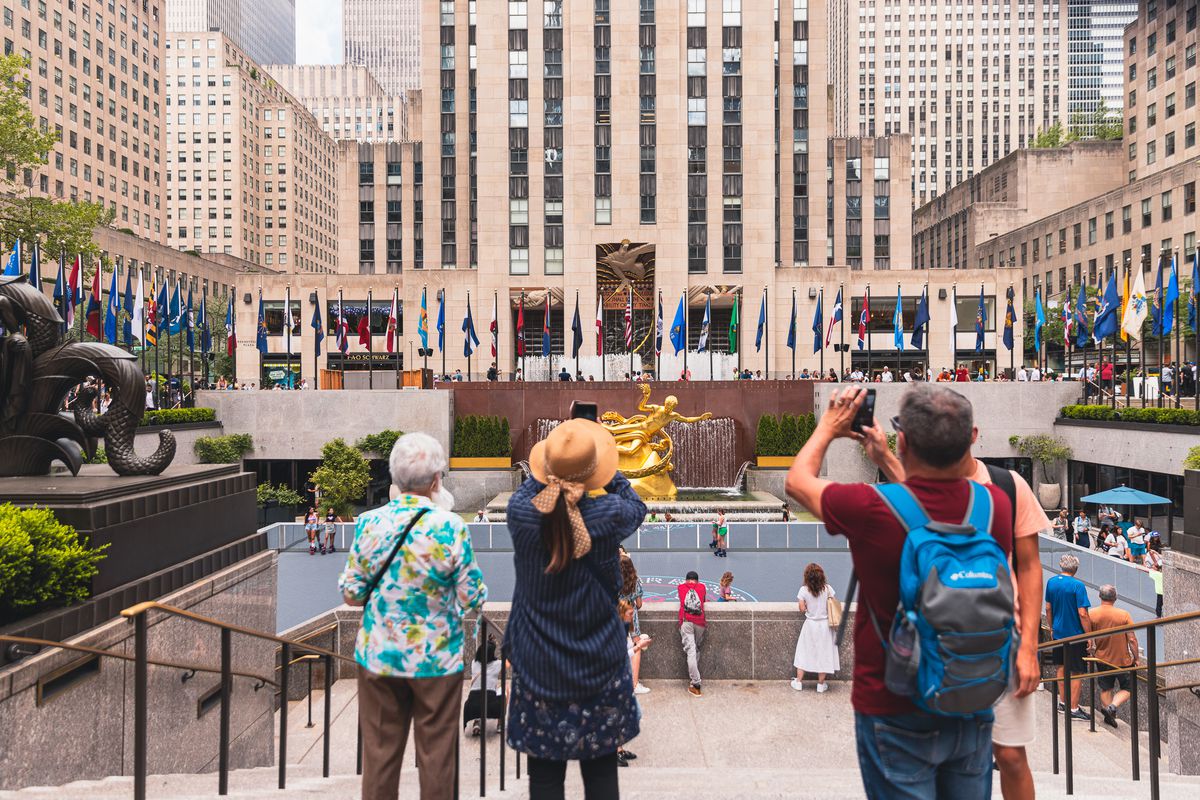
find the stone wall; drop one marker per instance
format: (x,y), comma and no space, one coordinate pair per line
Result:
(146,440)
(1181,595)
(1130,446)
(473,489)
(86,730)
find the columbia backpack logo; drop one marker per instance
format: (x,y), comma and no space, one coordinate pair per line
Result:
(953,642)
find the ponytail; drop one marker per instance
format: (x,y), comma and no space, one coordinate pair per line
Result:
(556,536)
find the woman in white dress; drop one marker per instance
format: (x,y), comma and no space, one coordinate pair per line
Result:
(816,650)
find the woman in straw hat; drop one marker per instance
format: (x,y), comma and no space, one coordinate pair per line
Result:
(572,696)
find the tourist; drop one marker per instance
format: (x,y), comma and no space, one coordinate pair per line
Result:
(493,374)
(833,376)
(1061,524)
(480,516)
(758,375)
(1168,377)
(311,525)
(331,520)
(633,594)
(1022,374)
(1067,609)
(1035,374)
(961,375)
(725,589)
(478,707)
(572,695)
(934,436)
(1137,541)
(692,625)
(721,531)
(886,377)
(518,376)
(1116,545)
(816,651)
(1082,526)
(713,544)
(786,512)
(563,375)
(635,643)
(410,646)
(1117,651)
(458,376)
(1154,563)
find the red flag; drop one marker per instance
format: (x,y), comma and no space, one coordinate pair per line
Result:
(392,325)
(364,331)
(600,327)
(494,328)
(521,331)
(94,307)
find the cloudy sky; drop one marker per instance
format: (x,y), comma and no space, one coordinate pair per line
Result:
(318,31)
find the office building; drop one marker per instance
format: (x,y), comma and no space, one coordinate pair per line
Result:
(348,101)
(265,30)
(385,36)
(1095,58)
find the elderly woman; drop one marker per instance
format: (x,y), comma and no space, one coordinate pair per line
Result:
(412,569)
(572,696)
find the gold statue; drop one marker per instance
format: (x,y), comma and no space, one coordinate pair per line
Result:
(644,448)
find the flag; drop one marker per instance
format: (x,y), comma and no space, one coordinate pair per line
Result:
(521,328)
(921,321)
(175,314)
(112,310)
(1156,308)
(423,323)
(791,337)
(93,307)
(1010,317)
(577,330)
(364,328)
(1170,300)
(600,327)
(262,324)
(762,323)
(629,321)
(734,325)
(658,327)
(954,326)
(898,322)
(547,345)
(980,322)
(128,305)
(705,324)
(393,324)
(61,290)
(1195,289)
(318,328)
(1039,319)
(864,318)
(1081,334)
(470,340)
(205,332)
(189,321)
(818,323)
(159,311)
(12,267)
(835,317)
(494,327)
(678,328)
(343,328)
(1136,308)
(1124,309)
(1068,318)
(35,272)
(441,322)
(74,290)
(230,329)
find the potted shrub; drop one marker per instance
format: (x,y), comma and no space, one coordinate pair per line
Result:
(481,442)
(778,439)
(276,504)
(1047,451)
(342,477)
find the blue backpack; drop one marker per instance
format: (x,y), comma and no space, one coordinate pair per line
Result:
(953,642)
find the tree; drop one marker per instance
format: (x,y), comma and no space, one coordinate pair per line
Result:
(1103,124)
(65,227)
(1054,136)
(23,146)
(342,477)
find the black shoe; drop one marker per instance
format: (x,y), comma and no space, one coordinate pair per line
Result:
(621,762)
(1110,716)
(712,545)
(1080,714)
(1061,707)
(628,756)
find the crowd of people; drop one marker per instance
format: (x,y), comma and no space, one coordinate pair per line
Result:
(1115,536)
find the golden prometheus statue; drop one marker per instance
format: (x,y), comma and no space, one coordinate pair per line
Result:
(643,446)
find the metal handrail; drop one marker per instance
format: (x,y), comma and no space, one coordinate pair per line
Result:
(1136,626)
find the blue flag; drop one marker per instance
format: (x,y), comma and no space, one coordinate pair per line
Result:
(921,321)
(898,322)
(1039,319)
(791,338)
(1010,319)
(678,328)
(111,310)
(12,267)
(189,324)
(1195,289)
(980,322)
(441,322)
(127,303)
(1081,334)
(1107,315)
(423,323)
(818,323)
(1170,300)
(318,328)
(658,328)
(470,340)
(262,325)
(160,312)
(1156,307)
(762,324)
(61,291)
(205,333)
(35,271)
(175,314)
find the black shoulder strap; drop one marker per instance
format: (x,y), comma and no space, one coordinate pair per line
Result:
(1004,479)
(392,557)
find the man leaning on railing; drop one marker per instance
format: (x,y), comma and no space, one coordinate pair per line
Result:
(413,569)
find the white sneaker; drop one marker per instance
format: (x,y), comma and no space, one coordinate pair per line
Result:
(797,685)
(822,688)
(639,689)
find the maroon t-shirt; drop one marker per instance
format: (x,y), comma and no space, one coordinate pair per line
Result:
(876,538)
(702,592)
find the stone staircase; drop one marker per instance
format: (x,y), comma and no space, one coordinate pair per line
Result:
(741,741)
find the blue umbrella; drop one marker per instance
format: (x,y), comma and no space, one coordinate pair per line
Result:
(1124,496)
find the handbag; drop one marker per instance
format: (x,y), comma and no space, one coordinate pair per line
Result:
(392,557)
(834,608)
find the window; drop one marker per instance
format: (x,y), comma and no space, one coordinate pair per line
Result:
(1092,230)
(1189,135)
(1151,115)
(1146,213)
(1169,106)
(1189,198)
(1127,219)
(882,169)
(1189,95)
(1166,206)
(1108,225)
(603,210)
(1169,144)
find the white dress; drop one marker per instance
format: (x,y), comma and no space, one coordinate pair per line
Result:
(816,650)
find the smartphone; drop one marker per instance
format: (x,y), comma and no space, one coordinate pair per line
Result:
(582,410)
(865,418)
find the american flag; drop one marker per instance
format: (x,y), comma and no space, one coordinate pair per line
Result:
(864,317)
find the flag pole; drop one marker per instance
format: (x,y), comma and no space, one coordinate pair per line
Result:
(927,370)
(169,334)
(821,305)
(1177,384)
(867,332)
(496,336)
(1128,347)
(954,330)
(287,323)
(1012,351)
(1162,317)
(1083,288)
(191,348)
(737,305)
(766,334)
(143,337)
(341,317)
(470,329)
(425,350)
(900,349)
(632,347)
(397,362)
(370,344)
(842,334)
(521,333)
(442,332)
(686,332)
(203,355)
(157,337)
(578,371)
(791,324)
(712,373)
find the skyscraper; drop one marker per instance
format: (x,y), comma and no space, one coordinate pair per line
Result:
(264,29)
(1095,30)
(385,36)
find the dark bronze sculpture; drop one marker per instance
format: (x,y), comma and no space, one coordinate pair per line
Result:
(38,371)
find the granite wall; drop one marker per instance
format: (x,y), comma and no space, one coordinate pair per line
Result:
(146,440)
(473,489)
(1181,595)
(85,731)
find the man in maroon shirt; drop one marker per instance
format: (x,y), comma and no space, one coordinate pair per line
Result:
(692,596)
(929,756)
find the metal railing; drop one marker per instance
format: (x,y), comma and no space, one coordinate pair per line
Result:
(1147,672)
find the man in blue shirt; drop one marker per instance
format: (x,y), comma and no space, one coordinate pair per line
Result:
(1067,609)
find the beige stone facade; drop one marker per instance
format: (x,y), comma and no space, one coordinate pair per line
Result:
(95,74)
(1020,188)
(251,173)
(348,101)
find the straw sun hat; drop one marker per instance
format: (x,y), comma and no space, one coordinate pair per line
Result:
(577,451)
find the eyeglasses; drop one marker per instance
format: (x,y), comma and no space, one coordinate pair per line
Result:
(896,424)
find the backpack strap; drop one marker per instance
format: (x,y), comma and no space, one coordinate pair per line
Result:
(900,500)
(979,512)
(1005,480)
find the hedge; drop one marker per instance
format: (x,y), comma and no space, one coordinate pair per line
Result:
(380,444)
(481,437)
(43,563)
(783,435)
(1153,416)
(178,416)
(223,449)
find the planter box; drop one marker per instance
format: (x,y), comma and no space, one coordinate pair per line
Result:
(774,462)
(461,462)
(1152,427)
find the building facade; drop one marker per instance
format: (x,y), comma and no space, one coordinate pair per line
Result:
(970,82)
(95,77)
(348,101)
(386,36)
(1095,58)
(264,29)
(251,172)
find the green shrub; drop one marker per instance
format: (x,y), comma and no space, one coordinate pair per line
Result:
(380,444)
(766,438)
(223,449)
(178,416)
(43,563)
(342,477)
(1153,416)
(100,457)
(281,495)
(1045,450)
(481,437)
(783,435)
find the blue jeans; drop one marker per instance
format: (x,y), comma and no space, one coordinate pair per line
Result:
(921,757)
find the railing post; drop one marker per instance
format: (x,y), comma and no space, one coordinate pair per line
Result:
(226,685)
(483,689)
(1068,711)
(309,661)
(284,683)
(140,711)
(503,712)
(328,715)
(1134,744)
(457,765)
(1091,673)
(358,753)
(1152,706)
(1055,693)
